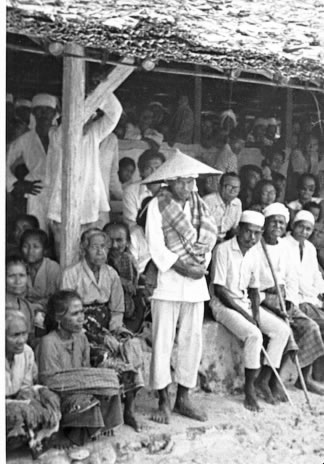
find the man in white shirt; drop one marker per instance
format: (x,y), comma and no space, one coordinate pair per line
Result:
(181,234)
(31,149)
(135,193)
(236,304)
(302,256)
(224,205)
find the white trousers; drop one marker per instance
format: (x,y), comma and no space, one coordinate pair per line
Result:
(272,326)
(166,315)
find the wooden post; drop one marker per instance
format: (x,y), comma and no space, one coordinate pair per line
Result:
(197,109)
(72,126)
(288,117)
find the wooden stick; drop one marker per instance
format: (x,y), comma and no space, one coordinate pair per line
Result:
(283,309)
(277,375)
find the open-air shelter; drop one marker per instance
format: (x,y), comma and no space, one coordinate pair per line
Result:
(278,44)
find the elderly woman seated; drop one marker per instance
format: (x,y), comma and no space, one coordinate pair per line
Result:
(112,345)
(90,400)
(32,411)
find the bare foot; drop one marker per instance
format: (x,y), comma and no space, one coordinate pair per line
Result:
(312,386)
(131,420)
(184,407)
(251,403)
(163,414)
(279,394)
(263,390)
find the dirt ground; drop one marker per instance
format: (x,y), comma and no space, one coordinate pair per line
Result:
(279,434)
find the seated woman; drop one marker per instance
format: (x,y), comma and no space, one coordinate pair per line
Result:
(44,274)
(90,400)
(112,345)
(264,195)
(32,411)
(16,288)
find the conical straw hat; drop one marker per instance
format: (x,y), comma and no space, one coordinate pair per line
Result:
(180,165)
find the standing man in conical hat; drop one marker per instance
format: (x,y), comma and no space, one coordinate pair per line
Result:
(181,234)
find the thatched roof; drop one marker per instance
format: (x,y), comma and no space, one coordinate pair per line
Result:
(281,38)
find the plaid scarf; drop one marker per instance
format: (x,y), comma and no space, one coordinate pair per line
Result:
(190,240)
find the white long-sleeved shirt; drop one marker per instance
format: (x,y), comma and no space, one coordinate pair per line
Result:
(29,150)
(91,188)
(310,281)
(133,196)
(109,165)
(171,286)
(284,270)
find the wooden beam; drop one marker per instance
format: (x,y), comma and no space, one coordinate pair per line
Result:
(118,75)
(288,117)
(197,109)
(72,126)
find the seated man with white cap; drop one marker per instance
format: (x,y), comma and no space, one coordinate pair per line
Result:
(31,149)
(181,233)
(302,255)
(236,304)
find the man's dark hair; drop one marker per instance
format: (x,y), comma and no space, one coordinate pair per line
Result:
(33,221)
(147,156)
(117,225)
(227,175)
(40,234)
(124,162)
(311,204)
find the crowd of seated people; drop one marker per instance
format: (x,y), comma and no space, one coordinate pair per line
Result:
(72,334)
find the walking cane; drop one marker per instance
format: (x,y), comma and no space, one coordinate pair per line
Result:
(277,375)
(283,309)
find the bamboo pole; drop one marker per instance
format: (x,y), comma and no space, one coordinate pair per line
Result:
(72,126)
(197,108)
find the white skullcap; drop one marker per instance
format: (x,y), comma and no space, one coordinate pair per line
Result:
(277,209)
(9,98)
(304,215)
(260,122)
(44,99)
(272,122)
(228,114)
(23,102)
(252,217)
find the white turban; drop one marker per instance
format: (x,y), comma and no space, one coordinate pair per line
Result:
(252,217)
(228,114)
(304,215)
(272,122)
(23,102)
(44,99)
(277,209)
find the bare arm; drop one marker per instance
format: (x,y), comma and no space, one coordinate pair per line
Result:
(255,304)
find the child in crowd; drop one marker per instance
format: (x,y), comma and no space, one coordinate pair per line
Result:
(120,258)
(313,208)
(44,274)
(22,222)
(264,195)
(126,170)
(306,191)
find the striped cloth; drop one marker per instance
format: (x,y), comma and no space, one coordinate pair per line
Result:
(190,240)
(308,337)
(99,381)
